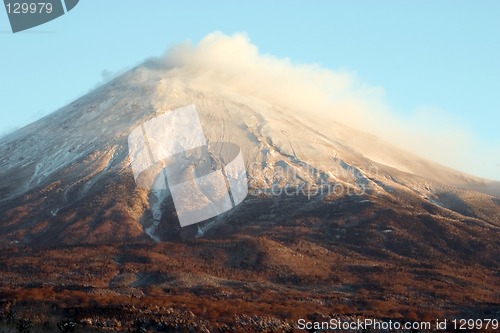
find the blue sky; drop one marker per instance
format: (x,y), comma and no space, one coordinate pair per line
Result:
(439,55)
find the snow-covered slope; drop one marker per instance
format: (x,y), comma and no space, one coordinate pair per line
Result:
(69,155)
(269,135)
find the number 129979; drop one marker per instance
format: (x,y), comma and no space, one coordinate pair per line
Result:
(29,8)
(475,324)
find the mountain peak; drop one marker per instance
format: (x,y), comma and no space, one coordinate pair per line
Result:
(78,156)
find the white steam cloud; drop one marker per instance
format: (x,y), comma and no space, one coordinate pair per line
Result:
(339,95)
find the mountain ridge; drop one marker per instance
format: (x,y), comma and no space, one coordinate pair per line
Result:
(326,230)
(85,143)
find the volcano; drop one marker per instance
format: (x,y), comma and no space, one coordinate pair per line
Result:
(67,178)
(336,220)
